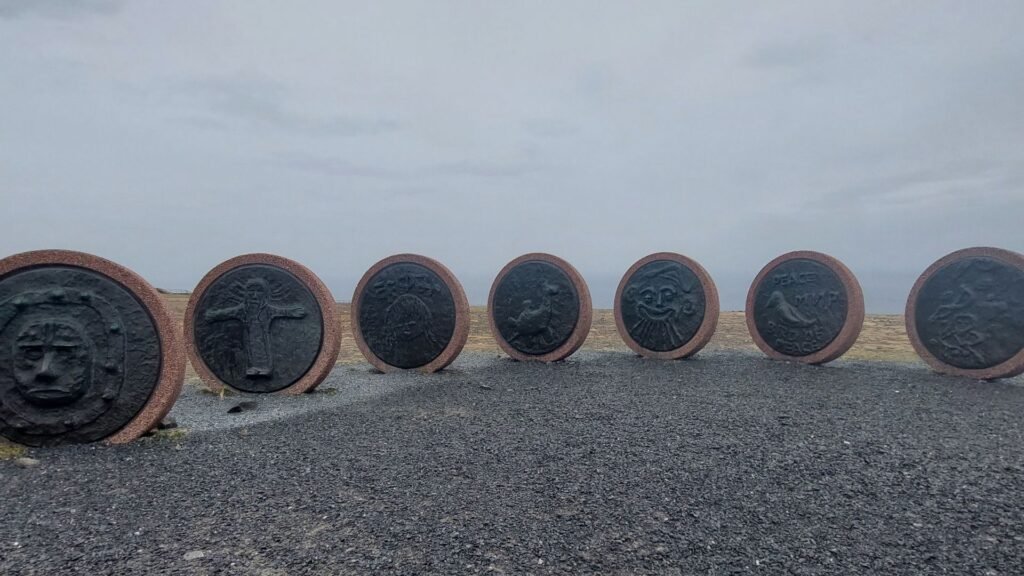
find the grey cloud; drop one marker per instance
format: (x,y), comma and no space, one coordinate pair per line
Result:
(595,81)
(342,167)
(550,127)
(919,187)
(260,103)
(489,169)
(59,9)
(385,170)
(795,53)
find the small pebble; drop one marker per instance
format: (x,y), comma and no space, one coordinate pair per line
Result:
(26,462)
(167,423)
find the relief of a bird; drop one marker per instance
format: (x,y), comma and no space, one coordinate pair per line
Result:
(787,312)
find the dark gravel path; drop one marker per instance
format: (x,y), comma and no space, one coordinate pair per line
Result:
(608,463)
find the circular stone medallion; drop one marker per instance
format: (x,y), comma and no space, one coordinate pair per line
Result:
(806,307)
(965,314)
(666,306)
(410,312)
(539,308)
(87,351)
(261,323)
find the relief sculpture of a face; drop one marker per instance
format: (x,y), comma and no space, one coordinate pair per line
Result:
(256,292)
(406,315)
(662,298)
(406,319)
(663,305)
(52,362)
(65,357)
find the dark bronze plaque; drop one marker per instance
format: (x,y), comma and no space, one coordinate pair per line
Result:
(970,314)
(801,307)
(406,315)
(258,328)
(79,356)
(663,305)
(536,307)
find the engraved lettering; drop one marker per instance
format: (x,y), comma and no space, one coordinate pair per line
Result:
(800,307)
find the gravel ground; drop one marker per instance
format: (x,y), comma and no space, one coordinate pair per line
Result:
(608,463)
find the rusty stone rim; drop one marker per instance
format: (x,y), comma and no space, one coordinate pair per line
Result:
(1007,369)
(459,336)
(330,346)
(854,312)
(586,312)
(711,309)
(172,355)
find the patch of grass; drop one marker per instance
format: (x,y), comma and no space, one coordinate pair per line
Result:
(172,435)
(10,450)
(223,392)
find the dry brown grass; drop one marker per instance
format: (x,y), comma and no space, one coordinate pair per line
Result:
(883,338)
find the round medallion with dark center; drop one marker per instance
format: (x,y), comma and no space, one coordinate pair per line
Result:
(666,306)
(410,313)
(81,354)
(257,327)
(968,313)
(800,305)
(536,308)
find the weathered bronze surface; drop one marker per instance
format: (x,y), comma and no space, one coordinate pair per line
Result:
(801,307)
(407,315)
(536,307)
(970,314)
(79,355)
(258,328)
(663,305)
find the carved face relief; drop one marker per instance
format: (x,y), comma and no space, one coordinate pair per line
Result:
(79,355)
(663,305)
(406,315)
(256,292)
(52,362)
(663,299)
(407,318)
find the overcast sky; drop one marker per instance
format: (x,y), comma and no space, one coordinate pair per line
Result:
(170,136)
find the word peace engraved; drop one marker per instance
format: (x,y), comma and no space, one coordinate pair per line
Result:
(801,306)
(970,314)
(79,356)
(258,328)
(663,305)
(536,307)
(407,315)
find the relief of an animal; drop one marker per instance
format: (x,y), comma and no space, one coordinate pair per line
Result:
(535,319)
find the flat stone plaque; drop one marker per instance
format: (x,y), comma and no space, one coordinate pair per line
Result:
(539,308)
(965,314)
(666,306)
(261,323)
(806,307)
(87,351)
(409,312)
